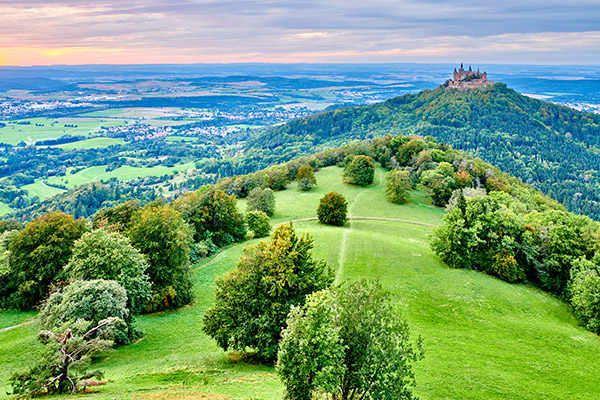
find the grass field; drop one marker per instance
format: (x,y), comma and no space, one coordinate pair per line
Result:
(40,189)
(125,173)
(4,208)
(484,338)
(51,129)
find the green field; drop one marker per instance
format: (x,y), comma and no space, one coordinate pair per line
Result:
(484,338)
(52,128)
(4,208)
(38,188)
(91,143)
(125,173)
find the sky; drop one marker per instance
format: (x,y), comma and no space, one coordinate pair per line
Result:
(38,32)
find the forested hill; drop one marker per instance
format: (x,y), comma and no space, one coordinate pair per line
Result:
(554,148)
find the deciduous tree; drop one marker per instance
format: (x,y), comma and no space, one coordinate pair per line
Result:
(332,209)
(253,301)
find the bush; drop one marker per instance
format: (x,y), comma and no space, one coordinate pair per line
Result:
(93,301)
(332,209)
(105,255)
(260,199)
(397,185)
(252,301)
(361,171)
(306,178)
(259,223)
(160,233)
(38,254)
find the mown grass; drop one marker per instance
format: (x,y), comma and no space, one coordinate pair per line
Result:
(484,338)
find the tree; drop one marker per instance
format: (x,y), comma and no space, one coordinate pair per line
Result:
(361,171)
(214,216)
(262,200)
(348,344)
(306,178)
(259,223)
(397,185)
(311,352)
(7,225)
(93,301)
(66,361)
(253,301)
(439,183)
(585,293)
(101,254)
(38,254)
(116,218)
(332,209)
(162,235)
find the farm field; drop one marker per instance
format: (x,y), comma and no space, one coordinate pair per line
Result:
(484,338)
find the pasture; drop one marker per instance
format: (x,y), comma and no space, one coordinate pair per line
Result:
(484,338)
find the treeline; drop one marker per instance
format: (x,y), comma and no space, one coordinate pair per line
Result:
(553,148)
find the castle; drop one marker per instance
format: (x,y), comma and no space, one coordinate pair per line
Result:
(468,79)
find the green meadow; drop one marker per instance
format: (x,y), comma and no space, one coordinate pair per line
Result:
(124,173)
(483,338)
(52,128)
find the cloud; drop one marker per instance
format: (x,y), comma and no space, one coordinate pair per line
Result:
(530,31)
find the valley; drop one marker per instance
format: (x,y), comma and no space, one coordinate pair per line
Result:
(484,338)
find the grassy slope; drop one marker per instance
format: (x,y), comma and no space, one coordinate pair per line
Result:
(485,339)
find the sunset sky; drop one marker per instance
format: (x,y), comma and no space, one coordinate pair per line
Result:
(36,32)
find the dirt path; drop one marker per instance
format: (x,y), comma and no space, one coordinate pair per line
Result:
(346,231)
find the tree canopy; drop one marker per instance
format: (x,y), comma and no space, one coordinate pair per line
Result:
(253,301)
(348,343)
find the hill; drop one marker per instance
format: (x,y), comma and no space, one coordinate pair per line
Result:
(554,148)
(484,338)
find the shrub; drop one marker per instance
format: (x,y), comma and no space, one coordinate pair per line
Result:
(361,171)
(260,199)
(160,233)
(332,209)
(252,301)
(93,301)
(397,185)
(259,223)
(105,255)
(38,254)
(306,178)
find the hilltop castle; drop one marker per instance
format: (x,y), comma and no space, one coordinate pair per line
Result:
(468,79)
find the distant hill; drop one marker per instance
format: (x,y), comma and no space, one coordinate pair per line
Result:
(554,148)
